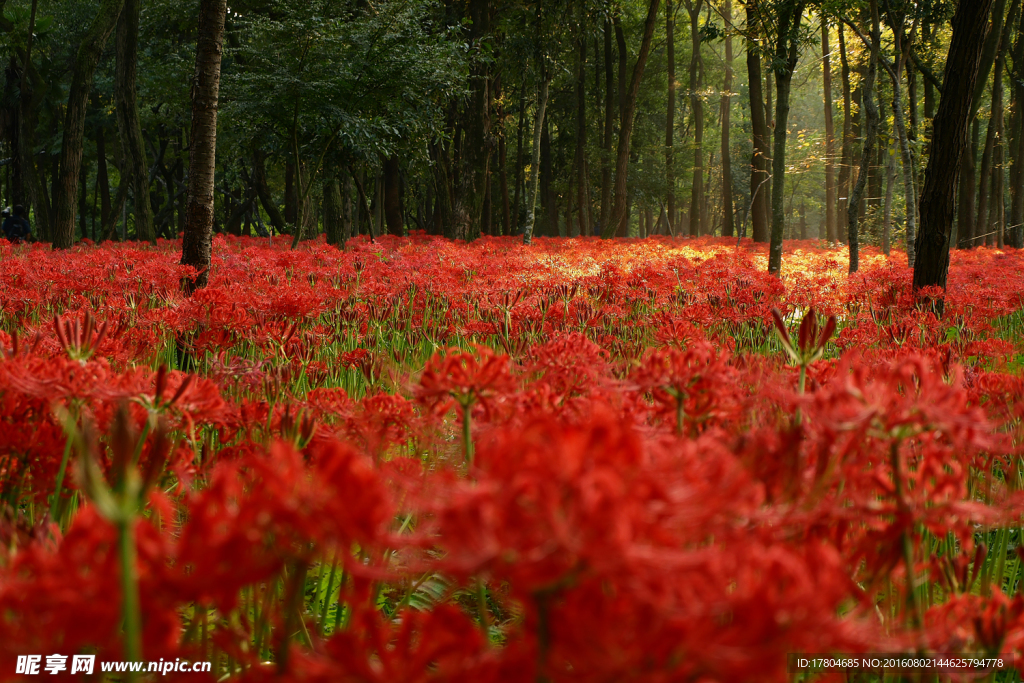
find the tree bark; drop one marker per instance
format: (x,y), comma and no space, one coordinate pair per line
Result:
(538,129)
(582,199)
(196,244)
(787,52)
(333,224)
(1015,233)
(697,224)
(609,129)
(966,210)
(949,140)
(476,152)
(670,116)
(728,227)
(846,155)
(88,56)
(617,221)
(759,125)
(870,136)
(830,142)
(392,197)
(128,125)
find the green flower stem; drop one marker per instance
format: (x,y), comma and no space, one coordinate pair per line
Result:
(129,593)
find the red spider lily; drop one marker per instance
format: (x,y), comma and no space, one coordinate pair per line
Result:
(695,385)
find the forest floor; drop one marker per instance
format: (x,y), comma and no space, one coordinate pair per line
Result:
(585,460)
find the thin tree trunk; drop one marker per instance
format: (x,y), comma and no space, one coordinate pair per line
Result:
(759,125)
(333,224)
(697,224)
(88,56)
(538,129)
(830,142)
(609,129)
(985,176)
(966,210)
(870,135)
(949,141)
(581,124)
(102,177)
(196,245)
(728,227)
(392,197)
(903,46)
(670,116)
(259,181)
(787,52)
(1014,235)
(846,155)
(128,124)
(890,178)
(516,207)
(618,220)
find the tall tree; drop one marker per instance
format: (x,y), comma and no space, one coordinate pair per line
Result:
(670,116)
(582,190)
(476,122)
(609,129)
(846,153)
(89,52)
(949,140)
(697,222)
(538,131)
(873,43)
(761,151)
(786,53)
(196,245)
(830,142)
(727,203)
(130,129)
(617,221)
(1015,236)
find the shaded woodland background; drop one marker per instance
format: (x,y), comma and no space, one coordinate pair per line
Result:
(350,117)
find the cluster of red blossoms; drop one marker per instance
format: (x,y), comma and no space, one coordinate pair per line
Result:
(418,460)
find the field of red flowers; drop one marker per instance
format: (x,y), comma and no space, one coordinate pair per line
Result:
(584,460)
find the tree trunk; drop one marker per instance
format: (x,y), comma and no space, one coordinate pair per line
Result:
(618,219)
(102,176)
(333,224)
(392,197)
(516,206)
(196,245)
(985,175)
(291,194)
(1015,235)
(538,129)
(88,56)
(728,227)
(549,224)
(609,129)
(890,178)
(830,143)
(787,52)
(506,216)
(670,117)
(128,124)
(697,224)
(846,155)
(259,180)
(870,135)
(476,152)
(582,199)
(949,140)
(759,125)
(968,190)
